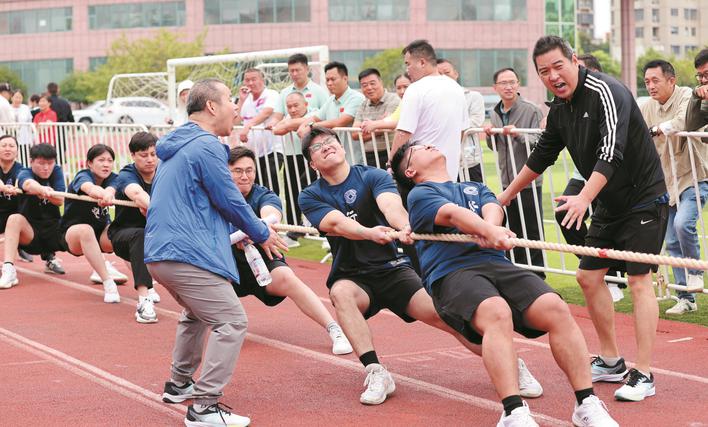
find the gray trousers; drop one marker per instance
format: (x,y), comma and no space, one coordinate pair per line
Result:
(210,306)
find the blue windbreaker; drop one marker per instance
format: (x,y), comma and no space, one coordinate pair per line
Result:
(193,200)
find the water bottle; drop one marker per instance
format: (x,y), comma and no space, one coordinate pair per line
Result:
(239,235)
(258,267)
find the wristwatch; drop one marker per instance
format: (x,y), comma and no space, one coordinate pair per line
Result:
(654,131)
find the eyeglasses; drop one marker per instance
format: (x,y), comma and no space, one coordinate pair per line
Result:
(410,153)
(319,145)
(507,83)
(702,76)
(247,171)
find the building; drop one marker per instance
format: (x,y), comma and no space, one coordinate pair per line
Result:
(45,40)
(585,18)
(673,27)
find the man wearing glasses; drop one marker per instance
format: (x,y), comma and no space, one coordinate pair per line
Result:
(511,112)
(357,205)
(697,111)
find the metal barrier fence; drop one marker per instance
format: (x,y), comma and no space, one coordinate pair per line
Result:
(282,167)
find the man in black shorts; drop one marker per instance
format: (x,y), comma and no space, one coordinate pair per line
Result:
(480,293)
(35,226)
(596,118)
(359,204)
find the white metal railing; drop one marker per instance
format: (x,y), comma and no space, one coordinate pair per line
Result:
(282,166)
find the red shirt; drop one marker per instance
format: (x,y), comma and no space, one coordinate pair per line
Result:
(46,135)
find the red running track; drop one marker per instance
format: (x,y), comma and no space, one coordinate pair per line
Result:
(68,359)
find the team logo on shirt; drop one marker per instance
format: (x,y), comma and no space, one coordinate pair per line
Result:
(350,196)
(99,212)
(341,109)
(260,102)
(473,206)
(471,191)
(308,95)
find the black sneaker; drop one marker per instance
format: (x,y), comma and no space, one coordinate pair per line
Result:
(601,371)
(217,415)
(638,387)
(24,256)
(294,236)
(176,394)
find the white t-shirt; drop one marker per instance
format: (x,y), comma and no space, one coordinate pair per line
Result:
(7,114)
(434,111)
(260,141)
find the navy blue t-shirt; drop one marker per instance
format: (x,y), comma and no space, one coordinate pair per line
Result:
(8,204)
(32,207)
(128,217)
(80,212)
(258,198)
(356,199)
(438,259)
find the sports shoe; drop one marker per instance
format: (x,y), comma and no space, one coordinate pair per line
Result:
(592,413)
(601,371)
(379,384)
(114,274)
(294,235)
(177,394)
(694,283)
(53,266)
(638,387)
(615,291)
(682,306)
(215,415)
(529,387)
(24,256)
(153,295)
(145,311)
(519,417)
(110,292)
(291,242)
(340,343)
(9,276)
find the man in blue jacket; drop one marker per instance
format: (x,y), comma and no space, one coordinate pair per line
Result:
(187,249)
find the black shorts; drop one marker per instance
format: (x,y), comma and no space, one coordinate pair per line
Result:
(97,231)
(249,285)
(47,238)
(641,230)
(457,295)
(129,244)
(3,220)
(392,288)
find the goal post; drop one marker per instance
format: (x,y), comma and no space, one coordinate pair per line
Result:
(152,85)
(230,67)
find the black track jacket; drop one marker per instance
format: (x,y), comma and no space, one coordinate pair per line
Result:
(604,131)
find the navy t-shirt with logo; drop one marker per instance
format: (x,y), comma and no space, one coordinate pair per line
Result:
(127,217)
(34,208)
(80,212)
(438,259)
(356,199)
(8,204)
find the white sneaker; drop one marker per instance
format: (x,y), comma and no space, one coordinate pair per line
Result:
(592,413)
(145,311)
(216,415)
(529,386)
(340,343)
(292,243)
(114,274)
(638,387)
(615,291)
(682,306)
(9,276)
(379,384)
(694,283)
(519,417)
(110,292)
(153,295)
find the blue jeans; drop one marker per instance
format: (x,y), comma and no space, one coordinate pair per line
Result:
(681,236)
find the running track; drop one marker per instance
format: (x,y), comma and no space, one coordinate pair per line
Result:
(68,359)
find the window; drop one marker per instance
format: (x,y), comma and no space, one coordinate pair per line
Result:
(97,61)
(218,12)
(36,21)
(477,67)
(480,10)
(690,14)
(655,15)
(693,31)
(137,15)
(674,11)
(639,32)
(674,30)
(368,10)
(655,33)
(36,74)
(638,15)
(675,50)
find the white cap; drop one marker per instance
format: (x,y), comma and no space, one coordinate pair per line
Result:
(184,85)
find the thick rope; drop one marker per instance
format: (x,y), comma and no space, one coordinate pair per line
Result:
(84,198)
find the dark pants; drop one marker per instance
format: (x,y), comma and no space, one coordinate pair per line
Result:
(296,169)
(129,244)
(371,159)
(475,173)
(268,168)
(530,220)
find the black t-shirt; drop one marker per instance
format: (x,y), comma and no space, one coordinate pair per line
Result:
(8,204)
(128,217)
(32,207)
(63,109)
(80,212)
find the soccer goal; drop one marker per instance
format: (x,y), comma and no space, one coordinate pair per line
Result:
(153,85)
(230,67)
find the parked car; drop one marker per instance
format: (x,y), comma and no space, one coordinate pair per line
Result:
(90,114)
(138,109)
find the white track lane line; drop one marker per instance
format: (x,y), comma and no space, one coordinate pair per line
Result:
(92,373)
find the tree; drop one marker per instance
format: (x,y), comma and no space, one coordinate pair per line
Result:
(9,76)
(138,56)
(609,65)
(76,87)
(389,62)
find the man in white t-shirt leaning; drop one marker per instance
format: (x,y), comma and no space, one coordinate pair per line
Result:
(6,113)
(255,107)
(433,109)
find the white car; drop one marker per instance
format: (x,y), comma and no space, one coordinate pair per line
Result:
(138,109)
(90,114)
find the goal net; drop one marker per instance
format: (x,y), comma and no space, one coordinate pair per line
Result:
(153,85)
(230,67)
